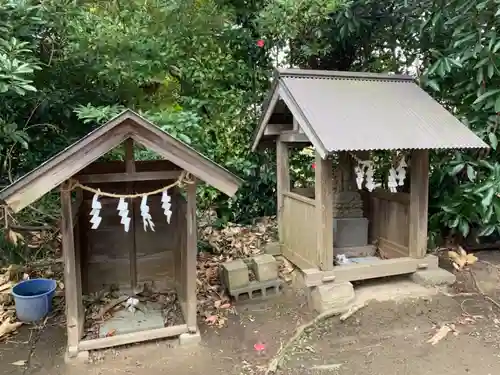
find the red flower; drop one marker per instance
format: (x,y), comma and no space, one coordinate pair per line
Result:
(260,43)
(313,165)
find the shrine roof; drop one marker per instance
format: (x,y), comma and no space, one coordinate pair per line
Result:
(348,111)
(128,124)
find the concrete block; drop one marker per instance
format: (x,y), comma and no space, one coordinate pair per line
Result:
(258,289)
(433,277)
(265,267)
(356,251)
(332,296)
(350,232)
(235,274)
(186,339)
(272,248)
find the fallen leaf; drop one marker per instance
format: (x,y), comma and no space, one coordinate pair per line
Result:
(211,319)
(225,306)
(7,327)
(111,333)
(19,363)
(440,334)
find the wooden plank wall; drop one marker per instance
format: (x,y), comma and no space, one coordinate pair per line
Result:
(300,230)
(106,259)
(388,215)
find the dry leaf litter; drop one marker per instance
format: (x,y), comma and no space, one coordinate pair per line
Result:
(11,275)
(214,305)
(226,244)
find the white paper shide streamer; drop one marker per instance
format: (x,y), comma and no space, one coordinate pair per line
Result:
(146,216)
(401,172)
(95,219)
(123,213)
(166,205)
(392,183)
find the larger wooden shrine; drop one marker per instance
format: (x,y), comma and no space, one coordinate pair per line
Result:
(379,226)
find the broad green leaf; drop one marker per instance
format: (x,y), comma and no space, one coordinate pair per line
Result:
(486,95)
(457,168)
(486,201)
(470,173)
(493,140)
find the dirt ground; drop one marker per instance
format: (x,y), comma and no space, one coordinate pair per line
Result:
(382,338)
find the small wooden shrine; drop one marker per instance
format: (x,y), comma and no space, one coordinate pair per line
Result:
(125,224)
(351,226)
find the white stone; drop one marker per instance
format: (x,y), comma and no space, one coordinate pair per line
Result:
(332,296)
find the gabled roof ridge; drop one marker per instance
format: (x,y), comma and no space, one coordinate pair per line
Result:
(334,74)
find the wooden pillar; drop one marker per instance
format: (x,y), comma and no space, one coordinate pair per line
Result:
(419,199)
(71,285)
(190,258)
(282,182)
(131,242)
(324,212)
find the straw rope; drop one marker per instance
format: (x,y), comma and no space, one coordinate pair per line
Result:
(184,178)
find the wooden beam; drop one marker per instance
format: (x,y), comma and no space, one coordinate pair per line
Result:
(131,241)
(276,129)
(128,177)
(293,137)
(70,273)
(282,182)
(191,253)
(133,337)
(324,212)
(419,198)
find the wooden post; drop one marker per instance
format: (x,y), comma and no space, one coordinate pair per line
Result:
(190,257)
(282,183)
(70,271)
(419,198)
(130,169)
(324,212)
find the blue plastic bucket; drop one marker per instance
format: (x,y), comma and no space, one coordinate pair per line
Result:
(33,298)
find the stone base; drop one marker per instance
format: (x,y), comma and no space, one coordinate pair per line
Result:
(187,339)
(332,296)
(356,251)
(433,277)
(82,357)
(350,232)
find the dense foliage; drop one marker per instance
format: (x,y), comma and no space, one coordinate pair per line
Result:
(200,68)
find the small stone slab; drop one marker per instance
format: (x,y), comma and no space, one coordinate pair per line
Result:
(260,290)
(433,277)
(124,321)
(235,274)
(265,267)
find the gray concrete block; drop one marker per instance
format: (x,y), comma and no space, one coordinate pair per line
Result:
(235,274)
(433,277)
(272,248)
(332,296)
(186,339)
(350,232)
(258,290)
(265,267)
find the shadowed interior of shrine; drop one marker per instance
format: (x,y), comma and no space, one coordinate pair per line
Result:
(365,224)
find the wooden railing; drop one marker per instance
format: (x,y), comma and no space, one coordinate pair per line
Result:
(300,230)
(388,214)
